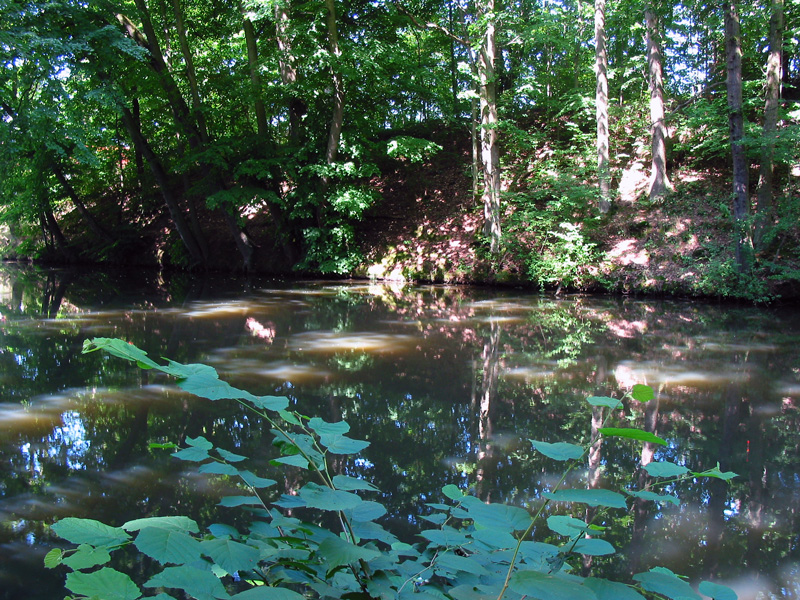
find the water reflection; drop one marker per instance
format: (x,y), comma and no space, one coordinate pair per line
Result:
(447,384)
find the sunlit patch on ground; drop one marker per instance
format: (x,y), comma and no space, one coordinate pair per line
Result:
(629,252)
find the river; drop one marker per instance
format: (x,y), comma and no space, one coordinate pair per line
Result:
(447,383)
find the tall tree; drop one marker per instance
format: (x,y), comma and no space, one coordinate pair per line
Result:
(733,54)
(484,42)
(490,151)
(773,94)
(659,181)
(601,102)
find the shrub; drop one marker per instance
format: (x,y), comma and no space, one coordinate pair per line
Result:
(473,550)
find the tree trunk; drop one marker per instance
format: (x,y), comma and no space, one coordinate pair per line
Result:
(149,41)
(286,64)
(97,229)
(337,116)
(741,208)
(51,226)
(335,131)
(183,117)
(255,78)
(601,101)
(659,182)
(490,153)
(191,75)
(773,95)
(162,179)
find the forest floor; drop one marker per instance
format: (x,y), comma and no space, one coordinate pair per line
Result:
(428,227)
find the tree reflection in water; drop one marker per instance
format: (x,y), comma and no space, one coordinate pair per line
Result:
(448,384)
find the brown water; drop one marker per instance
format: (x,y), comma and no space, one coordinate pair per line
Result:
(447,384)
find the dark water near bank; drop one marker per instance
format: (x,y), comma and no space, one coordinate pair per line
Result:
(447,384)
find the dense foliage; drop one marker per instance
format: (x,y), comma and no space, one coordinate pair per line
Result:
(474,550)
(254,135)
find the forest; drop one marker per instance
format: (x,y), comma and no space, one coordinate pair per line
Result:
(634,146)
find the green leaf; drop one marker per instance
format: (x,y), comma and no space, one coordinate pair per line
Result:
(349,484)
(265,592)
(604,401)
(591,547)
(559,450)
(341,444)
(53,558)
(201,585)
(472,592)
(665,582)
(453,492)
(168,546)
(367,510)
(367,530)
(89,531)
(295,460)
(454,563)
(256,481)
(642,393)
(276,403)
(324,498)
(230,456)
(239,501)
(548,587)
(165,446)
(591,497)
(652,496)
(716,473)
(632,434)
(121,349)
(217,468)
(199,442)
(447,537)
(192,454)
(221,530)
(567,526)
(498,516)
(494,538)
(321,427)
(106,583)
(665,469)
(717,591)
(336,552)
(289,417)
(611,590)
(230,555)
(86,556)
(176,523)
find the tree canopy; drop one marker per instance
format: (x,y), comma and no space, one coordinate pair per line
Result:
(253,135)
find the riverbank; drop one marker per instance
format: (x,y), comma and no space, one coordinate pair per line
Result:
(426,226)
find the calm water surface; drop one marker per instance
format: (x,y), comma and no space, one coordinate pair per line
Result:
(448,385)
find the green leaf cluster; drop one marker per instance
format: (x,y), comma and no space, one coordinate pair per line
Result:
(473,549)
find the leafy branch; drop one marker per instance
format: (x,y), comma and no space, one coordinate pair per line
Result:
(476,550)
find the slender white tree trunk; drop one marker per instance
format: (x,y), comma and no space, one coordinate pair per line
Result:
(659,181)
(601,101)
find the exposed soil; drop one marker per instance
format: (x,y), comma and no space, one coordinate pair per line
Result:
(427,228)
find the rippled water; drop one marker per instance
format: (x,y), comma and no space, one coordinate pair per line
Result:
(448,385)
